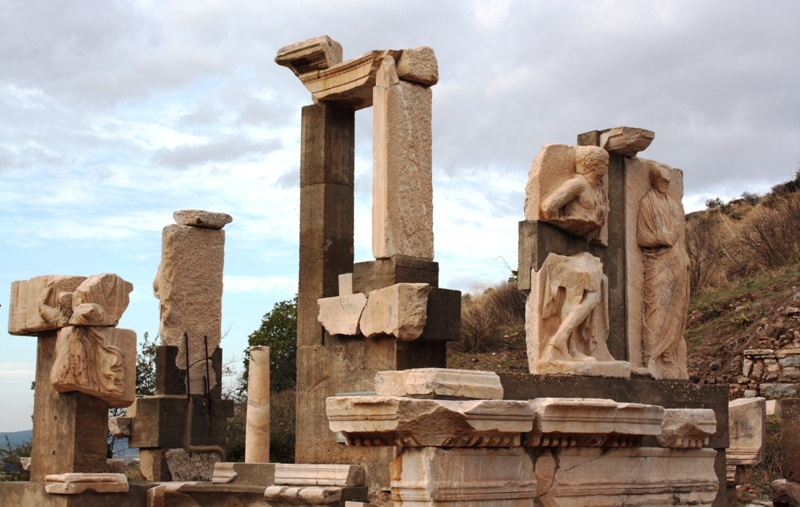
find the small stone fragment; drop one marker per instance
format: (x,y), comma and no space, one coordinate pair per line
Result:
(746,427)
(199,218)
(419,65)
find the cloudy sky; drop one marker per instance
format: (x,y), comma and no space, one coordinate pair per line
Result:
(113,114)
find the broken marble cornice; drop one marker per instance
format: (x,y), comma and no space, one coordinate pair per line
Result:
(387,420)
(319,475)
(439,383)
(687,428)
(318,53)
(591,422)
(77,483)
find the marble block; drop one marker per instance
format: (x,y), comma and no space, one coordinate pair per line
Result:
(318,53)
(99,361)
(419,65)
(400,310)
(189,287)
(460,477)
(687,428)
(747,426)
(342,314)
(200,218)
(100,300)
(439,382)
(624,477)
(43,303)
(77,483)
(626,141)
(385,420)
(591,422)
(402,178)
(346,284)
(319,475)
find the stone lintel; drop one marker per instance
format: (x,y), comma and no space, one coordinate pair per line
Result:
(389,421)
(350,82)
(440,383)
(318,53)
(380,273)
(319,475)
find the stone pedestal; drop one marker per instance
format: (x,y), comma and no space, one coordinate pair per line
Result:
(69,430)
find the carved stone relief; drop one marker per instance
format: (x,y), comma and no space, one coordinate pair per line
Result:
(658,279)
(567,318)
(567,187)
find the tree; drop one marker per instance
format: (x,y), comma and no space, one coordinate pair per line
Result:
(146,367)
(278,331)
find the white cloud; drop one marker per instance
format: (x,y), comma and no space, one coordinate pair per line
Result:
(261,284)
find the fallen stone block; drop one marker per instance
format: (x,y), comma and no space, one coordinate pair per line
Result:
(318,53)
(785,493)
(626,141)
(77,483)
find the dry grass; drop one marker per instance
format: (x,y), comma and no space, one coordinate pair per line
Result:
(489,316)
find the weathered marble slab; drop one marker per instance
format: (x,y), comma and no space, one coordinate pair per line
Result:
(439,382)
(747,426)
(318,53)
(626,141)
(77,483)
(43,303)
(304,495)
(431,476)
(385,420)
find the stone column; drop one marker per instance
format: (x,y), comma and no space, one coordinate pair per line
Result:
(326,251)
(256,446)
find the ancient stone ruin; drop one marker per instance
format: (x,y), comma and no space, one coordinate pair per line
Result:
(606,416)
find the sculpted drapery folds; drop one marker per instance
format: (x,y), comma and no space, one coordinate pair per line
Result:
(86,362)
(666,280)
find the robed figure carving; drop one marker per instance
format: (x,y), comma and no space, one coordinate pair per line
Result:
(659,234)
